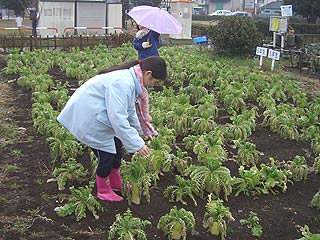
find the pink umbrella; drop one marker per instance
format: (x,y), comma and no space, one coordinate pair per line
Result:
(156,19)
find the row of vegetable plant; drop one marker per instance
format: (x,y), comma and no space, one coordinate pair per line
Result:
(211,106)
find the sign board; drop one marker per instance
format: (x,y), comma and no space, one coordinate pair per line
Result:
(261,51)
(278,24)
(286,10)
(275,55)
(249,4)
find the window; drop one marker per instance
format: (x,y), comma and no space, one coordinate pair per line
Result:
(57,12)
(219,6)
(67,14)
(48,12)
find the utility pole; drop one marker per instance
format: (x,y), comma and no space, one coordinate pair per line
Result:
(255,5)
(243,5)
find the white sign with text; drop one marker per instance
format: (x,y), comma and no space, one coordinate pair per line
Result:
(261,51)
(286,10)
(274,54)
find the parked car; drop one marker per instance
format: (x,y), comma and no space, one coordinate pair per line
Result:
(220,13)
(239,13)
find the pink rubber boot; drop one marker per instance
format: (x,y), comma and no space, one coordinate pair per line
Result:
(104,191)
(115,179)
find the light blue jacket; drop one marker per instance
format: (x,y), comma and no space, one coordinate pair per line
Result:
(104,108)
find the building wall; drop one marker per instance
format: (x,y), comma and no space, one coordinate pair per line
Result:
(182,11)
(274,9)
(271,12)
(250,4)
(269,1)
(114,13)
(232,5)
(93,15)
(56,14)
(7,13)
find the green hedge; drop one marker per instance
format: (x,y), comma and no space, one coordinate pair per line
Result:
(235,36)
(304,28)
(202,29)
(263,28)
(205,18)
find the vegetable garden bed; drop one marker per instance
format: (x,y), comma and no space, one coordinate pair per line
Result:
(205,106)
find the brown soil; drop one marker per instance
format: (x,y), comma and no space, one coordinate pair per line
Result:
(27,201)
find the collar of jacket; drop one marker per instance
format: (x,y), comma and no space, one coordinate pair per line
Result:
(141,33)
(136,82)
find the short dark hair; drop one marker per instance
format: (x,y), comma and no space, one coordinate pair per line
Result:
(156,65)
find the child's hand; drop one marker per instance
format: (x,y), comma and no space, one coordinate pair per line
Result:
(146,44)
(147,137)
(144,151)
(148,119)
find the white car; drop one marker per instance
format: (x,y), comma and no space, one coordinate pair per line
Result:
(220,13)
(239,13)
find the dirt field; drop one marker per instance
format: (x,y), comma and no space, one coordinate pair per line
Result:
(27,201)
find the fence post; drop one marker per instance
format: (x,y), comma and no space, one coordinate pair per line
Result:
(87,41)
(4,43)
(20,44)
(8,46)
(55,42)
(63,41)
(13,42)
(31,46)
